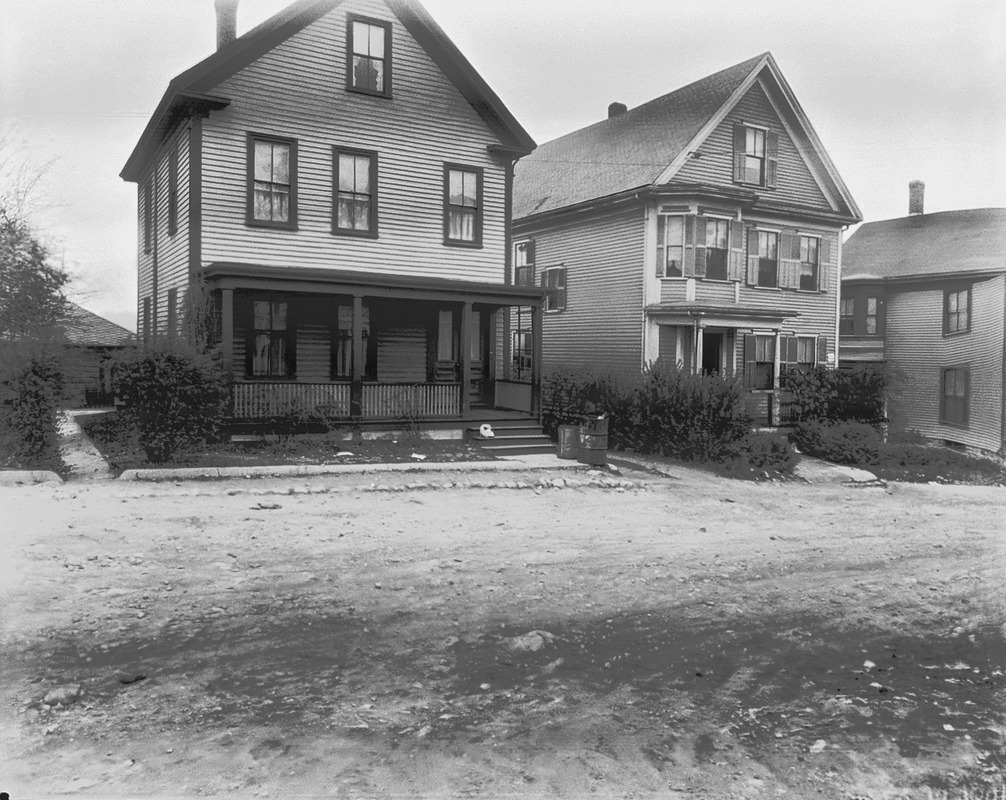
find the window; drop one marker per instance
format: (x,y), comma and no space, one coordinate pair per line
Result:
(523,264)
(957,311)
(806,352)
(717,247)
(768,258)
(342,346)
(271,353)
(173,192)
(554,282)
(810,260)
(872,305)
(369,53)
(759,361)
(954,401)
(462,206)
(847,316)
(355,207)
(755,155)
(272,182)
(148,215)
(670,247)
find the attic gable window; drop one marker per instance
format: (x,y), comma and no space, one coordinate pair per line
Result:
(272,182)
(756,155)
(369,56)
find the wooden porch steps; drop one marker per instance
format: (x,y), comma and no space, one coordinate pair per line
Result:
(512,438)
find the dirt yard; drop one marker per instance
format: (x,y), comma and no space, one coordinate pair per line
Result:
(683,637)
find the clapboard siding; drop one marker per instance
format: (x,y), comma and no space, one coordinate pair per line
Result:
(401,354)
(714,163)
(917,352)
(297,90)
(601,328)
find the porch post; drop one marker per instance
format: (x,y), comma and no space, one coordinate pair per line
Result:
(536,326)
(227,331)
(359,360)
(466,357)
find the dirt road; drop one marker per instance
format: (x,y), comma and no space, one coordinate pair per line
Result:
(682,637)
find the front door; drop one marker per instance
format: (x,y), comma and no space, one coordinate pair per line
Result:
(479,357)
(712,353)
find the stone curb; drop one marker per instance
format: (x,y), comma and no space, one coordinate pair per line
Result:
(18,477)
(309,470)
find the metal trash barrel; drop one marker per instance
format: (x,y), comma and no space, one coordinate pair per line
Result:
(569,441)
(594,441)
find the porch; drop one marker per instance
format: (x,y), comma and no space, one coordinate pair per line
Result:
(357,347)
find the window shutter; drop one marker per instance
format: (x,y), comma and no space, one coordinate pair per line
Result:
(740,143)
(822,350)
(791,350)
(772,160)
(750,355)
(789,270)
(560,289)
(735,267)
(752,257)
(688,268)
(825,254)
(700,247)
(661,257)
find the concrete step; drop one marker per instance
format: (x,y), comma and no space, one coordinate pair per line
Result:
(520,449)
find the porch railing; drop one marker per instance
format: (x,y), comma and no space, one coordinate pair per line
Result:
(513,396)
(262,400)
(398,400)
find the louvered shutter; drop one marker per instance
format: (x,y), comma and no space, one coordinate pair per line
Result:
(561,288)
(740,143)
(661,253)
(688,267)
(791,350)
(750,356)
(822,350)
(735,267)
(700,247)
(752,257)
(824,267)
(772,159)
(789,270)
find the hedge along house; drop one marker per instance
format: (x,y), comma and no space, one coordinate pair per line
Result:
(702,228)
(337,182)
(925,296)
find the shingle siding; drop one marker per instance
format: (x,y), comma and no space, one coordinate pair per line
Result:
(917,352)
(601,328)
(298,90)
(714,161)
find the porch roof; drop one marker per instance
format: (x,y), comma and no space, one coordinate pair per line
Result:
(230,275)
(725,315)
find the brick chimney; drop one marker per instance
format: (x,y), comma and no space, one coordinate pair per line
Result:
(227,21)
(916,198)
(616,110)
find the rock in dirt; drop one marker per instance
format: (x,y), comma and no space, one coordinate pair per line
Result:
(63,695)
(530,642)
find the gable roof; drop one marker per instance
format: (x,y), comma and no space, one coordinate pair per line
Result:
(85,328)
(644,146)
(925,245)
(191,91)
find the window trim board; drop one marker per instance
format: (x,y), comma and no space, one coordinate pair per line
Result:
(250,219)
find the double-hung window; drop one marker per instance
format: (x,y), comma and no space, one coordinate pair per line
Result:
(554,282)
(462,206)
(670,246)
(810,261)
(956,311)
(369,56)
(954,399)
(759,361)
(754,156)
(717,248)
(523,264)
(272,182)
(271,351)
(847,316)
(355,192)
(872,316)
(768,258)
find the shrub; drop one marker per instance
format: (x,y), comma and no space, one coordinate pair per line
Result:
(173,396)
(841,395)
(761,455)
(840,442)
(30,388)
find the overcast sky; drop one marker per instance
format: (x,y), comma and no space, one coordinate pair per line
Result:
(896,91)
